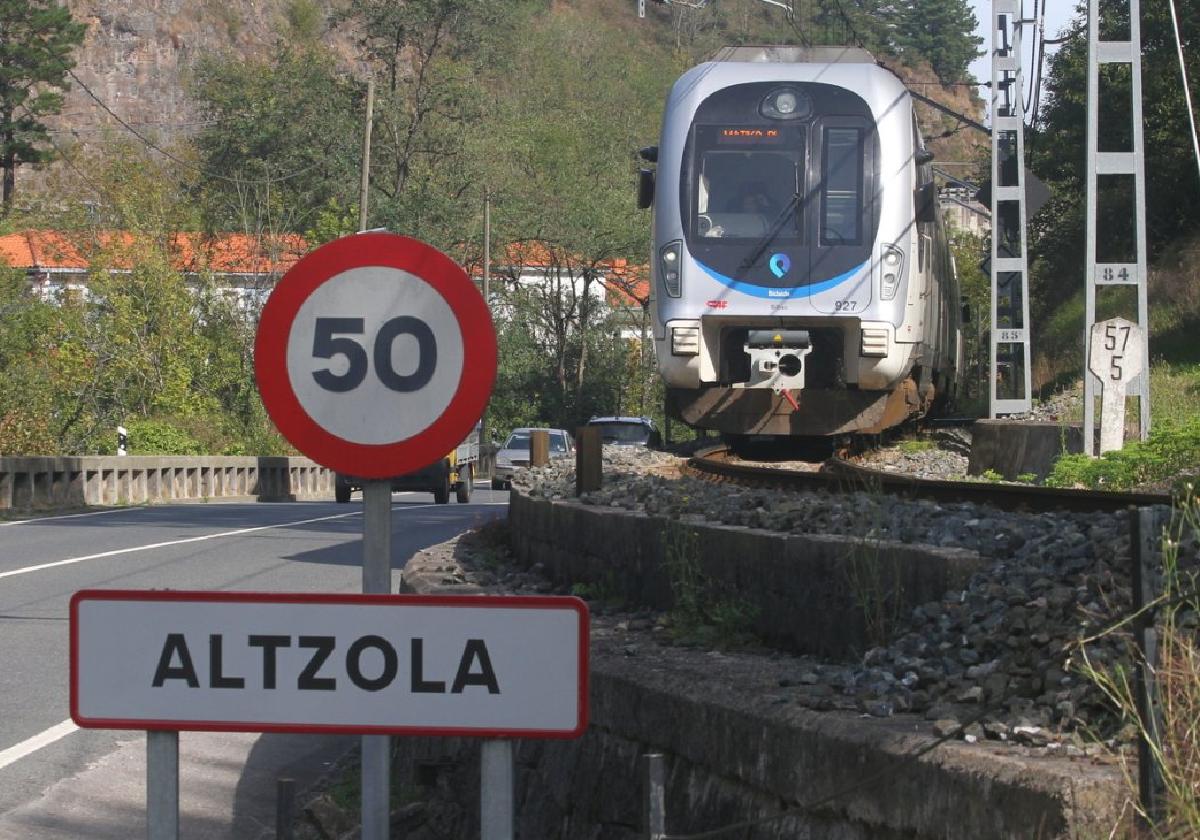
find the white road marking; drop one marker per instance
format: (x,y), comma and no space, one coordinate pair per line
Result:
(151,546)
(32,745)
(61,730)
(70,561)
(69,516)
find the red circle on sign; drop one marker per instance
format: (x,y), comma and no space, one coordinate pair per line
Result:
(443,275)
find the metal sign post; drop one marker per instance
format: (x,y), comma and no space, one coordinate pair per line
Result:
(496,812)
(1009,390)
(375,354)
(1127,163)
(376,578)
(162,785)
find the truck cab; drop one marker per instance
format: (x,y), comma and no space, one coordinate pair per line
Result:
(456,471)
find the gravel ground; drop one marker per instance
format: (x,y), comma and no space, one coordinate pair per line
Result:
(1001,655)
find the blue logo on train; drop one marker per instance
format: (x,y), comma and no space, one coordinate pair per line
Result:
(780,265)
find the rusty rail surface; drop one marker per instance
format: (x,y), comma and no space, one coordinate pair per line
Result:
(839,476)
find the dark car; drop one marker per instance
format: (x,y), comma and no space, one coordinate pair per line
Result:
(628,431)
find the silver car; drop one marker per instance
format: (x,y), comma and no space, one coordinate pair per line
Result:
(514,455)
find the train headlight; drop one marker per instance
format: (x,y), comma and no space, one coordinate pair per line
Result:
(891,265)
(669,267)
(786,104)
(685,341)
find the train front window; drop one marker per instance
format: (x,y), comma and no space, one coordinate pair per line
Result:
(745,178)
(841,187)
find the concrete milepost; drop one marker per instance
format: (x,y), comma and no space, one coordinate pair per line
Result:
(375,356)
(1117,360)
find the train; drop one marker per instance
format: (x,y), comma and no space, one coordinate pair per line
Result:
(802,283)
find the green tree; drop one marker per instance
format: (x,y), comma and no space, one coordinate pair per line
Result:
(37,38)
(166,354)
(35,367)
(284,139)
(942,32)
(435,61)
(1058,156)
(561,143)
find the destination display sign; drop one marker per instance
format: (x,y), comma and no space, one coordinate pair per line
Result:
(749,135)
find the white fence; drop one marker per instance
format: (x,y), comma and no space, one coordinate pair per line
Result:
(49,483)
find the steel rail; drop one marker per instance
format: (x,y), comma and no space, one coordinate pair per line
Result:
(840,476)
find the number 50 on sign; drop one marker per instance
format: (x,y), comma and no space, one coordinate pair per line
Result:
(375,355)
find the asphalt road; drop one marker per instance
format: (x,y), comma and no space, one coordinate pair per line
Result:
(57,781)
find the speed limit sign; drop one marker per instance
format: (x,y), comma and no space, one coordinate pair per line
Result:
(375,355)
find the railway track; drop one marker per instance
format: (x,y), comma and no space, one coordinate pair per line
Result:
(835,474)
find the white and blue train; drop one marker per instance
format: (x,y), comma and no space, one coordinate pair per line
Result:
(801,280)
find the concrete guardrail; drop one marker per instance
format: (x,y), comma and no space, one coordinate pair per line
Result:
(40,483)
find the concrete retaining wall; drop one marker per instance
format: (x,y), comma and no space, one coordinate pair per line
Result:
(1021,447)
(48,483)
(825,595)
(735,750)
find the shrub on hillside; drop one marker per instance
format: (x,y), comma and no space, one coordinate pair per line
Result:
(1172,450)
(161,437)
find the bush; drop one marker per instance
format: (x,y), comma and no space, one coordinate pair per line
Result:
(1170,451)
(160,437)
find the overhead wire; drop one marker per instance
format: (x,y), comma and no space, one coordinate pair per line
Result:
(794,19)
(175,158)
(1033,50)
(1187,93)
(1037,90)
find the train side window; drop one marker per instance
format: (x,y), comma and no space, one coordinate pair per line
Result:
(841,186)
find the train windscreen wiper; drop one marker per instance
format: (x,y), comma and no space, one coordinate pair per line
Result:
(788,211)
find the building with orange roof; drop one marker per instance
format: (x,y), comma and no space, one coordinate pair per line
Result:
(614,283)
(56,261)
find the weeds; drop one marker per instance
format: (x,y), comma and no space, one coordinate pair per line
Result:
(700,614)
(605,591)
(492,544)
(873,577)
(1176,748)
(1173,449)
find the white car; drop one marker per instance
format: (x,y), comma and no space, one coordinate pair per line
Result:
(628,431)
(514,455)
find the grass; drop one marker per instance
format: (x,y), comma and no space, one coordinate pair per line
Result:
(1170,456)
(1175,735)
(701,615)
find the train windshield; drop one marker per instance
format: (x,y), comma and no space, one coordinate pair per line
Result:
(747,181)
(780,202)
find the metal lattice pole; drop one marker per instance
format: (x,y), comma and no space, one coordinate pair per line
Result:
(1009,390)
(1131,162)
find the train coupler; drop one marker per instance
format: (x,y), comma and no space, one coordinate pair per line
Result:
(777,359)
